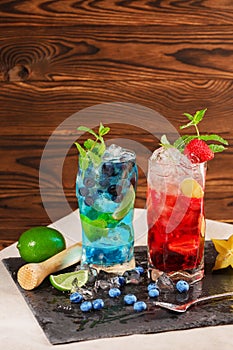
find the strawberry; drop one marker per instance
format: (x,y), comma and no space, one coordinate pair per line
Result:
(198,151)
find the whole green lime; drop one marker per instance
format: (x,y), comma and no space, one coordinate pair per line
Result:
(40,243)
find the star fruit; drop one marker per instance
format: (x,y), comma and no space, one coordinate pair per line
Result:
(225,250)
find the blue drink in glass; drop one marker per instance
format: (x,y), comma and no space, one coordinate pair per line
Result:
(106,195)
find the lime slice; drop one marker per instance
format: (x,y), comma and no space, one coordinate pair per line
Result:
(70,280)
(191,188)
(94,229)
(126,204)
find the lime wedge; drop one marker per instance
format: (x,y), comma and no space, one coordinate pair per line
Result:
(126,204)
(94,229)
(191,188)
(70,280)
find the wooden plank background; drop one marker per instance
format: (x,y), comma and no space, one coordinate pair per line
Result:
(58,57)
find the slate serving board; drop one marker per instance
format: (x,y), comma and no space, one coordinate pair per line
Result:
(63,322)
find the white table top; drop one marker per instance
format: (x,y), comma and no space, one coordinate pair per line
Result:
(19,328)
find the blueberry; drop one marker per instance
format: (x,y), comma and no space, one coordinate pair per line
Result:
(114,292)
(89,182)
(83,191)
(86,306)
(182,286)
(76,297)
(140,306)
(152,286)
(118,199)
(115,190)
(153,293)
(108,169)
(104,182)
(98,304)
(89,200)
(139,269)
(121,280)
(130,299)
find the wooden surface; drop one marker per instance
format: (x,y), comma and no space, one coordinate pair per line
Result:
(59,57)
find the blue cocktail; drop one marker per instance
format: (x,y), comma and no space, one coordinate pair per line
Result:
(106,195)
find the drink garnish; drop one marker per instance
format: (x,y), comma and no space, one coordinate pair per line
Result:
(70,280)
(195,147)
(93,149)
(191,188)
(225,250)
(125,205)
(94,229)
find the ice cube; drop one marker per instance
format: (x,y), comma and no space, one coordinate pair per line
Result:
(115,152)
(111,152)
(165,283)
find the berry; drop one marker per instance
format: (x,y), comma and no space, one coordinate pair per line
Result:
(114,292)
(98,304)
(86,306)
(89,182)
(89,201)
(140,306)
(182,286)
(139,269)
(121,280)
(76,297)
(152,286)
(153,293)
(198,151)
(130,299)
(83,191)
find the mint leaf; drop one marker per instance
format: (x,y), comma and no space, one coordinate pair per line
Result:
(165,143)
(103,130)
(199,116)
(217,148)
(80,149)
(89,143)
(84,128)
(189,116)
(93,149)
(99,149)
(164,140)
(213,137)
(187,125)
(182,141)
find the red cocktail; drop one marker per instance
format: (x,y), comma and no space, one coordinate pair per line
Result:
(175,211)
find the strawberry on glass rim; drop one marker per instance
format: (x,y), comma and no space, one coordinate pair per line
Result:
(195,147)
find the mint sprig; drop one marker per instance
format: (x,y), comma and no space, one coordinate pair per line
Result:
(92,150)
(195,119)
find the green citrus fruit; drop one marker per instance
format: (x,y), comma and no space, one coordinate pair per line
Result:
(70,280)
(94,229)
(126,204)
(40,243)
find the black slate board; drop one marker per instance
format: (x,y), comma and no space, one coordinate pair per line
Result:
(64,323)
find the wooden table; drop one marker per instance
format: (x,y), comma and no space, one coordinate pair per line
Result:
(59,57)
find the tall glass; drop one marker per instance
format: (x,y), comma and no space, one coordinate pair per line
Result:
(106,195)
(175,213)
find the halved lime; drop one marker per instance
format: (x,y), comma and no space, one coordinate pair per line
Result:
(126,204)
(70,280)
(191,188)
(94,229)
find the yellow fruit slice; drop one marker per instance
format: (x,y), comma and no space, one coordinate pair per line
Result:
(68,281)
(126,204)
(191,188)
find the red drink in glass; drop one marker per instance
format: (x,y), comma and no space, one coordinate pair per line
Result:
(175,212)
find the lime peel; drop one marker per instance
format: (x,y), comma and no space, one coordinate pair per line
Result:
(126,204)
(70,280)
